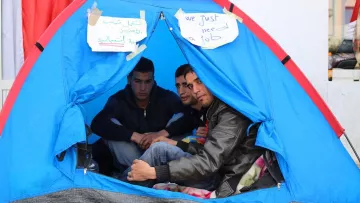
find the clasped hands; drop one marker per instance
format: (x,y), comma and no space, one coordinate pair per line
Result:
(147,139)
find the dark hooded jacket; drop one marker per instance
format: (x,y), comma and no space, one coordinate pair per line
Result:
(163,104)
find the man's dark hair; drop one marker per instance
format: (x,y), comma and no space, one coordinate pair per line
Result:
(143,66)
(187,70)
(181,70)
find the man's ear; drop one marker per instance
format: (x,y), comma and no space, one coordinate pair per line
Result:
(128,79)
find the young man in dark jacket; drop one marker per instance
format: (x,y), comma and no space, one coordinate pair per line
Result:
(228,151)
(135,116)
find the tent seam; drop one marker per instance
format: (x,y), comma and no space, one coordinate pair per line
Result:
(176,39)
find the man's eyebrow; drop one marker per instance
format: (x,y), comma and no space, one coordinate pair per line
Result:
(143,80)
(195,80)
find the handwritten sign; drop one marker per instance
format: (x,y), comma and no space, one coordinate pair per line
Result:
(208,30)
(111,34)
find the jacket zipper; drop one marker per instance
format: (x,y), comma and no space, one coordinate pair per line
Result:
(145,109)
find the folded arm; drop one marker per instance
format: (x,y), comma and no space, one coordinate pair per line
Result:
(106,125)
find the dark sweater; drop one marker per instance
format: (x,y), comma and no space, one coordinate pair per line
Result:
(162,106)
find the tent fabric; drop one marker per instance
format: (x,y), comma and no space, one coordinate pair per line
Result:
(47,107)
(36,17)
(355,13)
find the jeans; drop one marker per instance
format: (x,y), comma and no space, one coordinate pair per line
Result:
(124,152)
(161,153)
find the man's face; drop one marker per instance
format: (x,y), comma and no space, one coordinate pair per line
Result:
(185,94)
(200,91)
(141,84)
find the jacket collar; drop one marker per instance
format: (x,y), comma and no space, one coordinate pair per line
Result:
(216,106)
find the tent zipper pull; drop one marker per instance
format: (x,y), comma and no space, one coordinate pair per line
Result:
(162,17)
(87,161)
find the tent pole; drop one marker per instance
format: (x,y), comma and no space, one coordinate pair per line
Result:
(352,147)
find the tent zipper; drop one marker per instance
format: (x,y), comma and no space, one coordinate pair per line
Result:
(162,16)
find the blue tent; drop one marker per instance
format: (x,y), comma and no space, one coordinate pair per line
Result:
(63,84)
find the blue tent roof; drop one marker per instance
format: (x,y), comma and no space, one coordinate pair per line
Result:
(68,85)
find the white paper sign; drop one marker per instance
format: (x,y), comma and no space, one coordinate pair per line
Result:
(111,34)
(208,30)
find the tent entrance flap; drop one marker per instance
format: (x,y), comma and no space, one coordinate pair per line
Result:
(96,73)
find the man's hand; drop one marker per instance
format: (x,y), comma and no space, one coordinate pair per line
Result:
(165,139)
(141,171)
(161,133)
(137,137)
(150,137)
(202,131)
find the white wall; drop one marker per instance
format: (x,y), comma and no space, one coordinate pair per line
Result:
(301,28)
